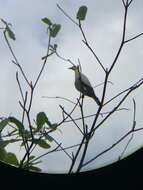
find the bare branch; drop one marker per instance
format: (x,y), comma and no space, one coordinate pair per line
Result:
(92,115)
(91,49)
(19,85)
(111,147)
(129,3)
(120,157)
(82,115)
(137,36)
(123,91)
(68,147)
(42,155)
(15,58)
(103,84)
(133,127)
(64,150)
(73,21)
(43,66)
(59,97)
(134,116)
(122,41)
(132,88)
(116,96)
(76,154)
(64,59)
(123,3)
(73,109)
(73,120)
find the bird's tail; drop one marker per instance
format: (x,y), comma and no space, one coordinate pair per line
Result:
(97,100)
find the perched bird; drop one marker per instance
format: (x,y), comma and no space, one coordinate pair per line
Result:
(83,85)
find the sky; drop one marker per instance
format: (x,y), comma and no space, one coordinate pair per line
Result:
(103,28)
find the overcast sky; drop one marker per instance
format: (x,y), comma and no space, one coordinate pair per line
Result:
(103,27)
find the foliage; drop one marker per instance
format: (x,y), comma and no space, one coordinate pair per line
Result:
(81,14)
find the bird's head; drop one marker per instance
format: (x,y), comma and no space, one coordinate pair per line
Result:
(74,68)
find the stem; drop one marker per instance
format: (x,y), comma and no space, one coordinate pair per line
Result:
(76,155)
(15,58)
(43,66)
(89,47)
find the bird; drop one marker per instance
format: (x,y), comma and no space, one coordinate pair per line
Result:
(83,85)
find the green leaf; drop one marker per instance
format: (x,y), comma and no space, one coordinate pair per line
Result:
(8,157)
(42,143)
(81,14)
(26,134)
(42,119)
(34,163)
(4,143)
(48,137)
(18,124)
(27,162)
(8,30)
(10,33)
(54,126)
(2,154)
(47,21)
(3,123)
(34,169)
(54,30)
(31,157)
(11,159)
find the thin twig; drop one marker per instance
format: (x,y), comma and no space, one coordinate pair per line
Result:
(92,115)
(102,84)
(64,150)
(59,97)
(134,115)
(64,119)
(90,48)
(43,66)
(69,17)
(16,62)
(123,3)
(129,3)
(130,139)
(122,41)
(133,127)
(42,155)
(23,136)
(111,147)
(68,147)
(73,120)
(64,59)
(19,85)
(123,92)
(137,36)
(82,114)
(76,154)
(29,120)
(132,88)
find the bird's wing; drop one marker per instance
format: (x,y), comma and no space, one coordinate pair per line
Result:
(85,80)
(83,85)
